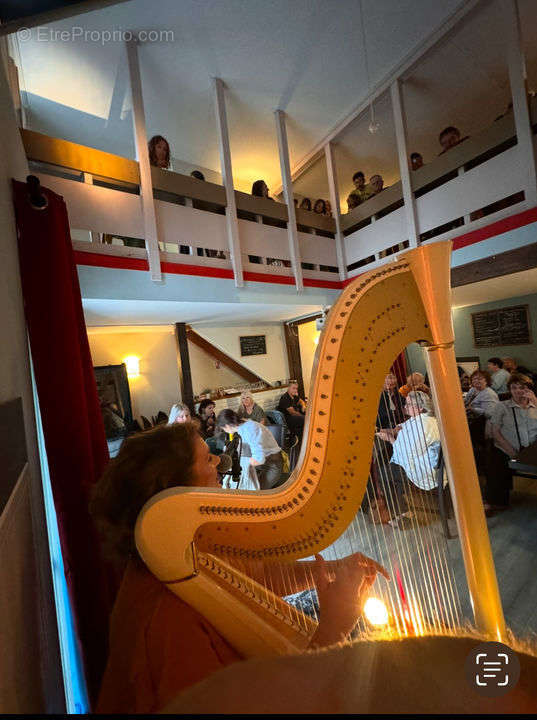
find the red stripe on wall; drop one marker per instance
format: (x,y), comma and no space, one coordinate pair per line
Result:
(497,228)
(127,263)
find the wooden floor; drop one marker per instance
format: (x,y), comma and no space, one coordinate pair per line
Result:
(513,536)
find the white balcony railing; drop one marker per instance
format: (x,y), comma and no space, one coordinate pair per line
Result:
(475,183)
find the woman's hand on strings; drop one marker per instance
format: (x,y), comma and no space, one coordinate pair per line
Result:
(342,587)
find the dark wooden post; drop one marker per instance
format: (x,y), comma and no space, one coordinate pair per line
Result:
(183,361)
(293,355)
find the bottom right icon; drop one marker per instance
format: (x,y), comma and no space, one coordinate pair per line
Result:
(492,669)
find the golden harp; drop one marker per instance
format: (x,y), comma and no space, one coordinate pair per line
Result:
(191,539)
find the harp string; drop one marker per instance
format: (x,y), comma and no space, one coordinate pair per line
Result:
(423,594)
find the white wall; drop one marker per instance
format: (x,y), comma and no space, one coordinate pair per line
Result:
(307,334)
(157,387)
(271,367)
(205,374)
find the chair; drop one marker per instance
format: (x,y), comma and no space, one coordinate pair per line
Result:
(445,506)
(278,432)
(275,417)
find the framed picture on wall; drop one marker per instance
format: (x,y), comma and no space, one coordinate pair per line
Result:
(115,399)
(468,364)
(253,345)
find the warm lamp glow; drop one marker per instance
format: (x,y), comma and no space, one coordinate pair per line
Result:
(133,366)
(375,611)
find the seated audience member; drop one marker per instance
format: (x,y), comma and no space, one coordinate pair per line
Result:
(499,376)
(305,204)
(360,192)
(320,207)
(511,365)
(416,161)
(198,175)
(481,399)
(179,413)
(266,456)
(250,410)
(207,418)
(514,427)
(390,412)
(260,189)
(415,381)
(160,645)
(377,184)
(293,408)
(416,448)
(328,208)
(159,152)
(449,137)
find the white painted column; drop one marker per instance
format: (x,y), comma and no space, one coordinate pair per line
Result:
(227,177)
(517,79)
(402,151)
(146,184)
(285,167)
(334,201)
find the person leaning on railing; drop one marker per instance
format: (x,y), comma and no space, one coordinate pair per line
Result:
(159,152)
(360,192)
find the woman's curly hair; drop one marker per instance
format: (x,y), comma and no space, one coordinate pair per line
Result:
(147,463)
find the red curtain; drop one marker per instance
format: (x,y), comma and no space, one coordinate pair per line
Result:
(72,423)
(399,369)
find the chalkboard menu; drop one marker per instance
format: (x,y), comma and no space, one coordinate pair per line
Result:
(253,344)
(505,326)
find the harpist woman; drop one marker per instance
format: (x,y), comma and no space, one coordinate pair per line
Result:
(159,645)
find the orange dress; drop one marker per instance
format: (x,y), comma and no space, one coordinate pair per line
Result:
(159,645)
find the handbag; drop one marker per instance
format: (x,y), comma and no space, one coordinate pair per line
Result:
(286,467)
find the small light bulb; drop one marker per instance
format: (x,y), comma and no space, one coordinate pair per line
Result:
(375,611)
(133,366)
(316,339)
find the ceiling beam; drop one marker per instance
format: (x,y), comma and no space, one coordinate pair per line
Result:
(406,65)
(60,13)
(506,263)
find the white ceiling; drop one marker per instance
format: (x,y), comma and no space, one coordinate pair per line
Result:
(152,312)
(304,56)
(500,288)
(462,81)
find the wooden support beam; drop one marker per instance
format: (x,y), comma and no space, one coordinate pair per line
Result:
(146,184)
(402,151)
(334,200)
(507,263)
(183,361)
(293,355)
(227,178)
(517,79)
(285,166)
(225,359)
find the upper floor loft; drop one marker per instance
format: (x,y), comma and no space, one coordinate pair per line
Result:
(125,213)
